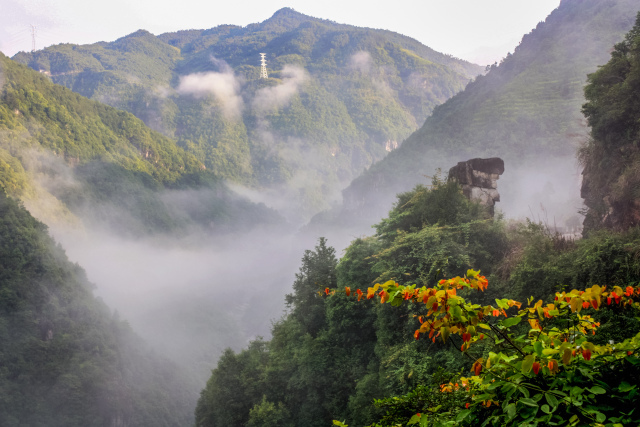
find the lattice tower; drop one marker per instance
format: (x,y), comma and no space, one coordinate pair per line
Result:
(263,66)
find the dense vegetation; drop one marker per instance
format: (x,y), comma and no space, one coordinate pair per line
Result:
(611,186)
(337,99)
(574,362)
(525,110)
(66,359)
(105,164)
(329,358)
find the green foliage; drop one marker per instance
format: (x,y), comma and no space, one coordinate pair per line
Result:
(234,388)
(361,351)
(611,158)
(63,349)
(318,271)
(267,414)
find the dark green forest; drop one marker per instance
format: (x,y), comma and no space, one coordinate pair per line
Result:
(340,95)
(67,359)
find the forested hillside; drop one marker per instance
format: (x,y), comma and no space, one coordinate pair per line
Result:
(450,316)
(63,154)
(343,357)
(338,97)
(67,359)
(525,110)
(611,158)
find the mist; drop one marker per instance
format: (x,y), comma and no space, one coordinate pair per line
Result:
(223,85)
(279,96)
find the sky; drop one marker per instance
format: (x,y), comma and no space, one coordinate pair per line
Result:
(481,31)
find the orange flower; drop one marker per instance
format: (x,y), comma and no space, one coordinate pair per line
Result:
(496,312)
(326,291)
(359,292)
(586,353)
(417,334)
(467,405)
(347,290)
(384,297)
(553,366)
(477,368)
(585,304)
(616,297)
(371,293)
(536,368)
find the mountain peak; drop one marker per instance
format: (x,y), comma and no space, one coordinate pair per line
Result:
(286,19)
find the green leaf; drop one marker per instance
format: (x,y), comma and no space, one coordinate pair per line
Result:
(462,415)
(339,424)
(600,417)
(414,420)
(537,346)
(511,411)
(529,402)
(495,385)
(551,400)
(511,321)
(625,387)
(597,390)
(545,409)
(527,363)
(633,360)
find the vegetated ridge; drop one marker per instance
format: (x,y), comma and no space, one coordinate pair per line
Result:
(525,110)
(66,155)
(67,360)
(338,97)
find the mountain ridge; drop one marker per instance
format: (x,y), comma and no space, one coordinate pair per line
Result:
(344,93)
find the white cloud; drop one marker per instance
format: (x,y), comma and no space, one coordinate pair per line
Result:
(360,61)
(279,96)
(223,85)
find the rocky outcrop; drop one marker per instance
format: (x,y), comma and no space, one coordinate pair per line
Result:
(478,178)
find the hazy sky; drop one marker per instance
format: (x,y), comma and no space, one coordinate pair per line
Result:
(482,31)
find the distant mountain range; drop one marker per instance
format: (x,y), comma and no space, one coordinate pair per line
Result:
(338,97)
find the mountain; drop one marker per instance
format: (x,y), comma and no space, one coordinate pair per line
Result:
(525,110)
(337,98)
(69,157)
(67,359)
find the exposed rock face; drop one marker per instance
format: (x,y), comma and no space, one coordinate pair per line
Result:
(478,178)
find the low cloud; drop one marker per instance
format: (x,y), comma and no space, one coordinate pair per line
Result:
(223,85)
(360,61)
(279,96)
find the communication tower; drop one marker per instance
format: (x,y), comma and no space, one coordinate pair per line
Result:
(33,38)
(263,66)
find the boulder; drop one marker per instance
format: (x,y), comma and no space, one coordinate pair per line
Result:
(478,178)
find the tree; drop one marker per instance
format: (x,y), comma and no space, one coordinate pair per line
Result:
(318,271)
(539,366)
